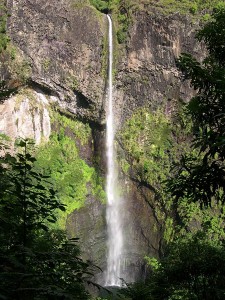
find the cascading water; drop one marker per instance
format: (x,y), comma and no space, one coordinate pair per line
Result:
(115,237)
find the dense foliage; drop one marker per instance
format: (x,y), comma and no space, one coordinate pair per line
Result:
(4,39)
(148,138)
(102,5)
(193,268)
(203,180)
(35,262)
(70,174)
(121,14)
(153,141)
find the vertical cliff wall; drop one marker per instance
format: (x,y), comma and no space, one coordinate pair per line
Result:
(63,45)
(147,73)
(147,79)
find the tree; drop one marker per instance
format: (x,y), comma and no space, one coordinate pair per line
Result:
(35,261)
(203,179)
(193,268)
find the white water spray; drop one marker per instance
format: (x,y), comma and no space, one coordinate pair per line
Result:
(113,210)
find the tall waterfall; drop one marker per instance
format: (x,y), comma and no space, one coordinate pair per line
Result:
(113,210)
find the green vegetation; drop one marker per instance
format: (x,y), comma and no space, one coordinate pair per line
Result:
(152,143)
(24,93)
(46,64)
(4,39)
(185,6)
(101,5)
(104,55)
(72,82)
(206,110)
(146,137)
(35,262)
(77,128)
(72,176)
(192,268)
(197,186)
(79,3)
(17,66)
(121,13)
(37,194)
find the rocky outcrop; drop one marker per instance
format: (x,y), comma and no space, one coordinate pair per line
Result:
(89,225)
(147,73)
(63,41)
(26,115)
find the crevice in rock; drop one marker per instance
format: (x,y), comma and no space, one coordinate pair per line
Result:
(43,88)
(82,101)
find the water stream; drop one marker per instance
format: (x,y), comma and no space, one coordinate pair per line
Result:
(113,210)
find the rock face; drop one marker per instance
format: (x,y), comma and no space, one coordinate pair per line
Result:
(147,73)
(148,77)
(26,116)
(64,42)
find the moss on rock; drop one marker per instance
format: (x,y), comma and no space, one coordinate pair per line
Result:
(152,142)
(4,39)
(146,139)
(71,175)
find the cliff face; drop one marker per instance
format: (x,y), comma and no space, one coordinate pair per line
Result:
(64,43)
(147,73)
(148,77)
(26,115)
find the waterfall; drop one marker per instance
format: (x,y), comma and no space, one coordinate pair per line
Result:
(113,209)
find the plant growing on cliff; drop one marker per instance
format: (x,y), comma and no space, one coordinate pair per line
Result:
(183,6)
(101,5)
(145,137)
(152,142)
(4,39)
(121,12)
(61,159)
(13,64)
